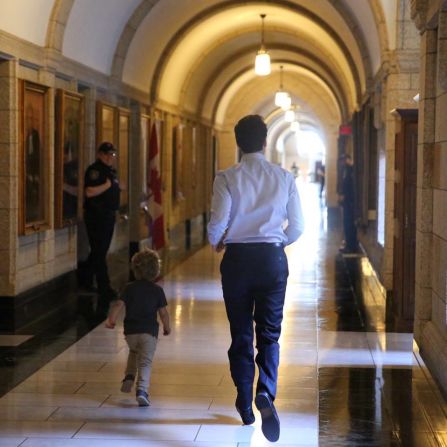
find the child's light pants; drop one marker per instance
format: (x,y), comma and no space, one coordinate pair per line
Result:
(141,352)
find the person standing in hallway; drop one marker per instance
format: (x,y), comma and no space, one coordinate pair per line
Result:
(321,173)
(251,202)
(347,202)
(102,195)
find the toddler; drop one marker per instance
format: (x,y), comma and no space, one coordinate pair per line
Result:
(142,300)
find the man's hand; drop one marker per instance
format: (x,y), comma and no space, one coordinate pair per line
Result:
(219,247)
(110,324)
(166,330)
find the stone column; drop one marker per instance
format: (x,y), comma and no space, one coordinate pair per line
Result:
(136,161)
(427,152)
(331,169)
(9,147)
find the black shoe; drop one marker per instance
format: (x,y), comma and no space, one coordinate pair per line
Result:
(87,288)
(270,419)
(143,398)
(126,384)
(247,415)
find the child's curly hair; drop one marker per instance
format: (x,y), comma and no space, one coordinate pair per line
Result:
(146,264)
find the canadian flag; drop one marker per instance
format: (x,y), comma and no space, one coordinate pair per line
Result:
(154,190)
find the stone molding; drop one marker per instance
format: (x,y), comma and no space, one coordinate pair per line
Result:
(419,13)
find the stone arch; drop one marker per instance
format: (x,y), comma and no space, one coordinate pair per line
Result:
(357,32)
(379,17)
(332,80)
(240,73)
(170,47)
(56,25)
(128,34)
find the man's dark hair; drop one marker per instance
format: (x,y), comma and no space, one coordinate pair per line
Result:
(250,133)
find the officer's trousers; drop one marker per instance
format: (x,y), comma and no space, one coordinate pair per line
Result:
(100,231)
(254,278)
(349,228)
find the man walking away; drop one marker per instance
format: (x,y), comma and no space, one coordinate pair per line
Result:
(251,202)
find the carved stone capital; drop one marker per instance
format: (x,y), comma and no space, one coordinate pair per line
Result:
(419,13)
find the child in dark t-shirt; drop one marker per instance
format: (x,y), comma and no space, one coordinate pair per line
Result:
(143,300)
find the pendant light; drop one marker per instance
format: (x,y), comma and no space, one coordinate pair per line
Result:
(295,126)
(280,95)
(287,103)
(262,61)
(289,116)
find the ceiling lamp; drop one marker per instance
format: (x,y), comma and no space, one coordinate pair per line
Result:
(295,126)
(289,116)
(281,96)
(262,61)
(287,103)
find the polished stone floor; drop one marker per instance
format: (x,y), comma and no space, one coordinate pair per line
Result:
(343,380)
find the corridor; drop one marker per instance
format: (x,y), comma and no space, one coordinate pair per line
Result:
(343,381)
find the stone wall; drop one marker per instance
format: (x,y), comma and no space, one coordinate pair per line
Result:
(36,258)
(396,85)
(431,232)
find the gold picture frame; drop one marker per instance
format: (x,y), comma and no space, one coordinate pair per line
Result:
(106,123)
(33,158)
(123,157)
(177,163)
(68,158)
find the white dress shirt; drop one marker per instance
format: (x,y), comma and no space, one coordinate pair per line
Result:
(252,201)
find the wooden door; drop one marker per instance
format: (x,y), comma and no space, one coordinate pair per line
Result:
(405,220)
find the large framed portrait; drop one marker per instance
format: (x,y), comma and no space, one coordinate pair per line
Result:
(194,157)
(105,123)
(34,160)
(68,158)
(144,125)
(177,163)
(123,157)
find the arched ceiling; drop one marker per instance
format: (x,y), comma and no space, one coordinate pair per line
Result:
(198,55)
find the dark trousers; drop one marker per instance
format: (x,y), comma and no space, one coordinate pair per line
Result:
(350,229)
(100,231)
(254,279)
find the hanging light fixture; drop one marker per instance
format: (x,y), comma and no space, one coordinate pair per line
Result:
(287,103)
(295,126)
(289,116)
(281,96)
(262,61)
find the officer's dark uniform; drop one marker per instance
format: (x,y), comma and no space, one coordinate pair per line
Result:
(347,189)
(99,217)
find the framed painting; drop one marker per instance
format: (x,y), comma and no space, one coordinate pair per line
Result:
(33,158)
(194,157)
(144,174)
(68,158)
(123,157)
(105,123)
(177,163)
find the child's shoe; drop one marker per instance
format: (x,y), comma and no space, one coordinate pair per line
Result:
(126,384)
(143,398)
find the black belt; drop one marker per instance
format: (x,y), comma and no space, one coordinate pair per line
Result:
(255,244)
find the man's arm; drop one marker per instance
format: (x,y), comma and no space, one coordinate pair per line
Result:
(220,212)
(295,216)
(93,191)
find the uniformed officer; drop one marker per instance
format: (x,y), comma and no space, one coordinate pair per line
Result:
(102,195)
